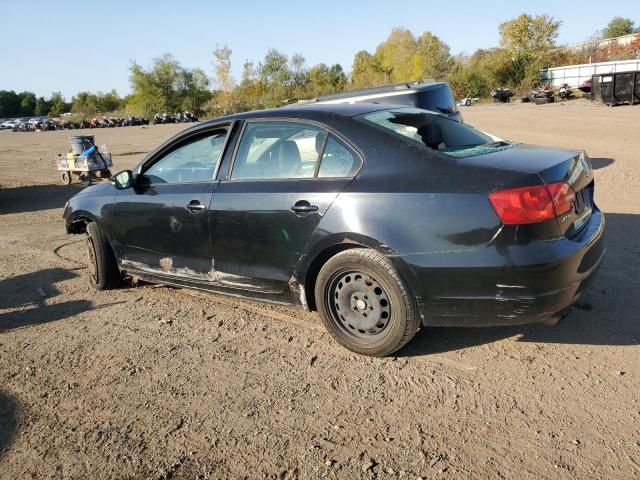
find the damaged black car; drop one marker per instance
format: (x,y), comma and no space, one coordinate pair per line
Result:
(382,218)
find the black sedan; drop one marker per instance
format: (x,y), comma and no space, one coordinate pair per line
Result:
(381,218)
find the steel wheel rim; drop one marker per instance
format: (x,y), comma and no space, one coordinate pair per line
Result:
(92,260)
(359,305)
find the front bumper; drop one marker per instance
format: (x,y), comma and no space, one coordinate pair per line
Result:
(532,283)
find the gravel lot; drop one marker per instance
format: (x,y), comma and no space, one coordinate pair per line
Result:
(154,382)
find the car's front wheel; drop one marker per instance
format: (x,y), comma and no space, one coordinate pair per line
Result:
(364,303)
(101,262)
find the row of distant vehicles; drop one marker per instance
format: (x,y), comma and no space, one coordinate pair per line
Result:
(44,124)
(540,95)
(438,95)
(66,122)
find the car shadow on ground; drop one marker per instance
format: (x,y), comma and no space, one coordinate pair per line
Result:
(25,293)
(606,314)
(35,197)
(598,163)
(8,421)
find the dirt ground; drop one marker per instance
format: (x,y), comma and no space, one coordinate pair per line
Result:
(154,382)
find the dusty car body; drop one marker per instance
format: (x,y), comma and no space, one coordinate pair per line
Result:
(441,216)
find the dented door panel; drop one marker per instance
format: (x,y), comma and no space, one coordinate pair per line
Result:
(257,239)
(158,233)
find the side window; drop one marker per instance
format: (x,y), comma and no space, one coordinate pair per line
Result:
(193,162)
(273,150)
(337,160)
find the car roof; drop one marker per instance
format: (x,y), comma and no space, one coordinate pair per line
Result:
(309,111)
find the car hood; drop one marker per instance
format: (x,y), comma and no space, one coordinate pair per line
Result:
(94,189)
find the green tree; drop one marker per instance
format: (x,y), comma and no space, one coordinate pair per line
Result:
(42,107)
(402,57)
(162,88)
(395,56)
(617,27)
(366,71)
(465,81)
(299,73)
(276,78)
(9,103)
(223,79)
(197,90)
(528,42)
(109,102)
(432,58)
(168,75)
(89,104)
(84,103)
(323,80)
(248,94)
(27,103)
(58,105)
(146,97)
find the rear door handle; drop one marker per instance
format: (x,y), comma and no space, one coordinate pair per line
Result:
(196,205)
(302,206)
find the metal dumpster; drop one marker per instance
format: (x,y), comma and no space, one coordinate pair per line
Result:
(616,88)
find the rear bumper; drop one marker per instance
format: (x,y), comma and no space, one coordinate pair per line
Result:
(512,285)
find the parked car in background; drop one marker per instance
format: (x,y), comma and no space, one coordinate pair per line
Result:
(382,218)
(585,86)
(9,124)
(501,94)
(468,101)
(429,95)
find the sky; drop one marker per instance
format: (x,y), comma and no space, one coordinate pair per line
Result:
(74,45)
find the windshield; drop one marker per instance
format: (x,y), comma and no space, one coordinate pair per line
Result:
(436,131)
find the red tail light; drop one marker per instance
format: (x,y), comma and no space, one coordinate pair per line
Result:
(532,204)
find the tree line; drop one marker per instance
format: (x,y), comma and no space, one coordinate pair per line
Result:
(527,44)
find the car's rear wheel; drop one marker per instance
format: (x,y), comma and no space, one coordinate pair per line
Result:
(101,262)
(365,304)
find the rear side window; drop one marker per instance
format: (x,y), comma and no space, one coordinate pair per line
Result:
(276,150)
(337,160)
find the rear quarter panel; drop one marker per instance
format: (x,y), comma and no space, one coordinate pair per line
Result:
(410,204)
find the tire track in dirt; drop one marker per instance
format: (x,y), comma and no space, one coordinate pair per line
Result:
(56,252)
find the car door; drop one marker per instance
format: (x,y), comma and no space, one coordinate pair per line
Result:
(162,222)
(283,178)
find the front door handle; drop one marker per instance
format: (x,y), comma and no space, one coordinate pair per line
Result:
(302,206)
(196,205)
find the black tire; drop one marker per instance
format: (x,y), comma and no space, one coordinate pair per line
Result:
(377,335)
(104,273)
(467,103)
(104,173)
(85,179)
(66,177)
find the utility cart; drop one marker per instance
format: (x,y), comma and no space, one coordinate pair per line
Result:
(85,160)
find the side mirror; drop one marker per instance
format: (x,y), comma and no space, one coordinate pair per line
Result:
(122,180)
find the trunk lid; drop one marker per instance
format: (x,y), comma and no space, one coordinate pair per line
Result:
(551,165)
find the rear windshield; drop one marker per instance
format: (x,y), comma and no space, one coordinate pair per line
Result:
(438,98)
(436,132)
